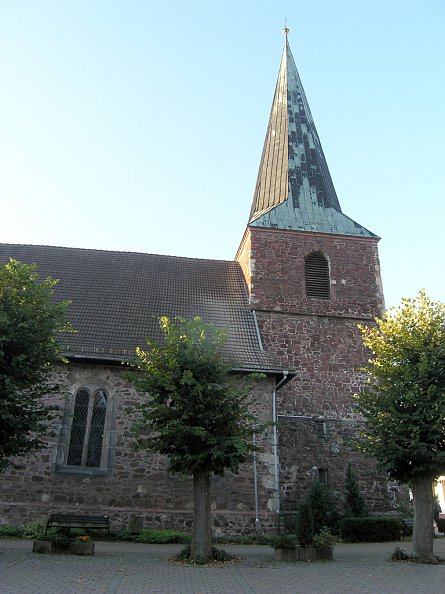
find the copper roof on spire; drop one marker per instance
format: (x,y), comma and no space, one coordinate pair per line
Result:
(294,189)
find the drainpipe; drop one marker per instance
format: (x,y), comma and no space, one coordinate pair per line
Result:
(255,483)
(275,446)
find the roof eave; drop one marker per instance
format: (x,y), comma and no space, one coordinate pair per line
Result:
(91,359)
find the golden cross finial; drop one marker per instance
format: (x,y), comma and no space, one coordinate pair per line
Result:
(286,28)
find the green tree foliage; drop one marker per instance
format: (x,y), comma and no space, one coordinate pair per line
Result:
(355,506)
(322,506)
(403,403)
(195,411)
(30,323)
(305,525)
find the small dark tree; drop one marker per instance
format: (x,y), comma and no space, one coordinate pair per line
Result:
(322,506)
(29,326)
(404,404)
(354,503)
(196,412)
(305,525)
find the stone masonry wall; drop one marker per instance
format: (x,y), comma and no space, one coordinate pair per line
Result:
(325,352)
(309,446)
(137,481)
(321,341)
(277,281)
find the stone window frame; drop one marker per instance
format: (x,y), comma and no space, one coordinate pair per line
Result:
(323,290)
(323,476)
(60,466)
(322,428)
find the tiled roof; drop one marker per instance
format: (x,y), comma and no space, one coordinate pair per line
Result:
(294,188)
(117,298)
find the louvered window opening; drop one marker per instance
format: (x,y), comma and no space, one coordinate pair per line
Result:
(87,429)
(316,270)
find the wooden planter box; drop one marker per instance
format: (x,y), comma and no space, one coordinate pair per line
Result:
(285,555)
(74,548)
(298,554)
(325,553)
(81,548)
(43,546)
(301,554)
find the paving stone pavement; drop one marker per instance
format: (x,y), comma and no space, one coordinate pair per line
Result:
(130,568)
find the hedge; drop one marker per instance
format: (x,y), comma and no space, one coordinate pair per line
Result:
(370,529)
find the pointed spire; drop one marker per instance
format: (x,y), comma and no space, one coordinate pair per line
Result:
(294,189)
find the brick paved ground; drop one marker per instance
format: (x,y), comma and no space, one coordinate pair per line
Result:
(128,568)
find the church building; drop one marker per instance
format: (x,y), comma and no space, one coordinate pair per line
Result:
(305,275)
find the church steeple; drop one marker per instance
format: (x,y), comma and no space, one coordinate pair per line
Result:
(294,189)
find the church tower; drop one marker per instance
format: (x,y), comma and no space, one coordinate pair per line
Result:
(312,275)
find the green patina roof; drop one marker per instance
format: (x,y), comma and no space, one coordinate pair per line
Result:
(294,188)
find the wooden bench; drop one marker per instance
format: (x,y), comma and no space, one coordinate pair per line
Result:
(407,527)
(78,521)
(440,525)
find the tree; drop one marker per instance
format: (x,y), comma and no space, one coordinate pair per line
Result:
(305,525)
(354,503)
(403,403)
(195,412)
(30,323)
(322,506)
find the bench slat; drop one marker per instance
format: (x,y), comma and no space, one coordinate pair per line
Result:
(77,521)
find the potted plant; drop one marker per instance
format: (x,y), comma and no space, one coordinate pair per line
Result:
(305,534)
(82,545)
(285,547)
(56,542)
(324,542)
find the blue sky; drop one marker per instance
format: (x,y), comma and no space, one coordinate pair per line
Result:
(138,125)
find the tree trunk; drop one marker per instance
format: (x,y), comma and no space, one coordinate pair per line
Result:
(423,535)
(201,549)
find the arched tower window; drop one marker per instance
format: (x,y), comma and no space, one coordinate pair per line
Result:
(316,272)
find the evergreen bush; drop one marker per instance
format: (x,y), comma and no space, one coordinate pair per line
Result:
(155,536)
(323,508)
(355,506)
(370,529)
(7,531)
(305,525)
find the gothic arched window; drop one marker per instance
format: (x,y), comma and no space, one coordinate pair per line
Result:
(85,439)
(316,272)
(87,429)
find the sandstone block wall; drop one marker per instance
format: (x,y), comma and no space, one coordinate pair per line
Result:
(136,481)
(273,265)
(321,341)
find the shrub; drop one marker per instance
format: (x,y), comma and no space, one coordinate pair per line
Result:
(400,555)
(155,536)
(10,531)
(33,530)
(324,538)
(305,526)
(355,506)
(323,507)
(370,529)
(254,539)
(283,541)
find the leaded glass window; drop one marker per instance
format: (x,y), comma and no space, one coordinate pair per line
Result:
(87,428)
